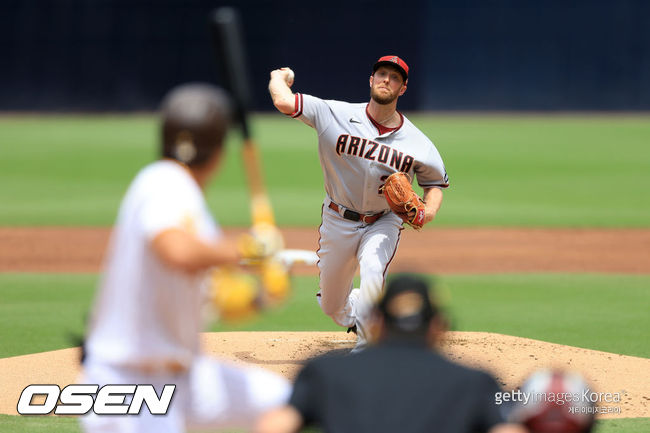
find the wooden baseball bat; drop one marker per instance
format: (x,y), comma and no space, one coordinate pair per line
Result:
(229,49)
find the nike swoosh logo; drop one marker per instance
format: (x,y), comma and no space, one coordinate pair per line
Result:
(353,120)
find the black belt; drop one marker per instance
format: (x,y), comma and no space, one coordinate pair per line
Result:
(355,216)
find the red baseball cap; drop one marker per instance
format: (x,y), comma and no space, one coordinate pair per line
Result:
(395,62)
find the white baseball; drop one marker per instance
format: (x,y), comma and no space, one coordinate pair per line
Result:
(290,76)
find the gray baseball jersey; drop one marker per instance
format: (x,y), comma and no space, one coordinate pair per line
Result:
(357,154)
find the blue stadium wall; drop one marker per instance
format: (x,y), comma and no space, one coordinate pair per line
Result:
(71,55)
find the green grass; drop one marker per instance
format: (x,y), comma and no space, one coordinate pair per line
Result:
(33,424)
(601,312)
(39,312)
(549,170)
(544,170)
(38,424)
(623,425)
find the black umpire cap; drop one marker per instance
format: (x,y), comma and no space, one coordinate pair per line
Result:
(407,305)
(195,119)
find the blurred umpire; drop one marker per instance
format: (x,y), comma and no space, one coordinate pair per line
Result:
(397,385)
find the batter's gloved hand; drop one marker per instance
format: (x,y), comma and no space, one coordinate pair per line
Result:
(274,276)
(235,295)
(262,241)
(403,200)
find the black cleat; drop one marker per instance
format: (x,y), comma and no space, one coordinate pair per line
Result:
(352,329)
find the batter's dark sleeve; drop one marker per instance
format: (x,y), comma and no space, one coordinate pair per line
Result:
(306,392)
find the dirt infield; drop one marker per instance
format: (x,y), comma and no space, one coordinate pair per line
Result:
(510,359)
(439,251)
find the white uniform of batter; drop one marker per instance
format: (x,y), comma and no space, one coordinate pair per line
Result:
(357,155)
(147,318)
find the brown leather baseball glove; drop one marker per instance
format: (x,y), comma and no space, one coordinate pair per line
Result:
(403,200)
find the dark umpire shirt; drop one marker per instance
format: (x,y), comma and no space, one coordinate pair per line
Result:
(396,387)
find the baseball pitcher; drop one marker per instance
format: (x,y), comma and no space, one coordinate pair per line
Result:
(360,146)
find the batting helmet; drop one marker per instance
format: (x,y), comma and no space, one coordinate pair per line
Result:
(556,403)
(195,119)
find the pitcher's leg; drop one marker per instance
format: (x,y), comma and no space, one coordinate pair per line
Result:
(338,244)
(377,249)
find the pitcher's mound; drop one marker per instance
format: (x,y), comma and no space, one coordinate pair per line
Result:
(510,359)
